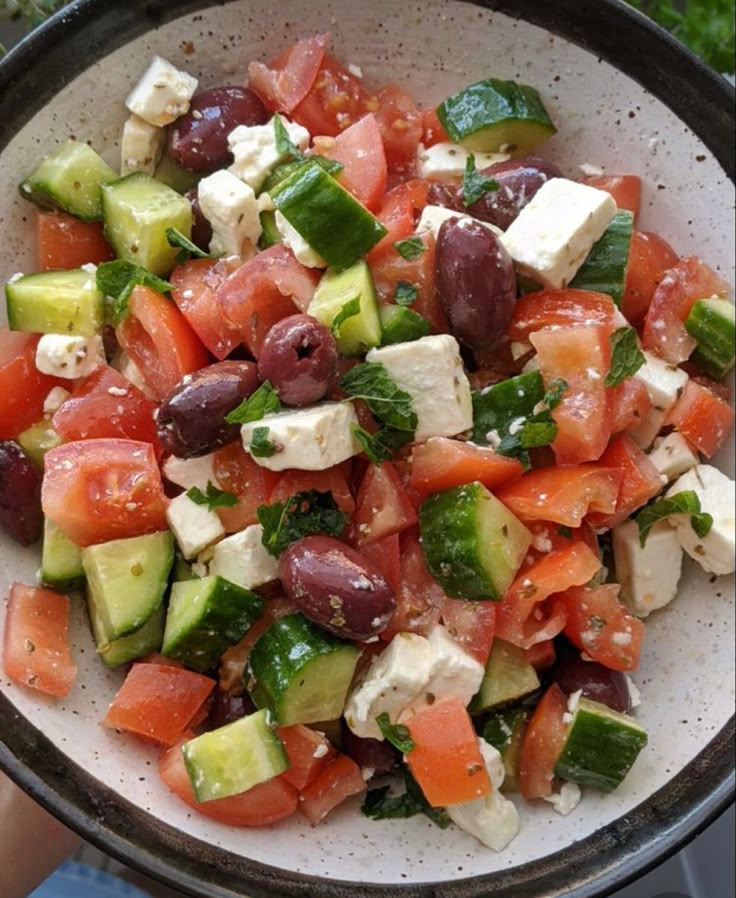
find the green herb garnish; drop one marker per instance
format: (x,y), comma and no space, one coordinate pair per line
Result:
(405,293)
(396,733)
(187,248)
(685,502)
(370,382)
(537,429)
(475,184)
(300,515)
(626,357)
(264,401)
(260,444)
(410,248)
(349,310)
(213,497)
(118,279)
(287,147)
(382,445)
(380,805)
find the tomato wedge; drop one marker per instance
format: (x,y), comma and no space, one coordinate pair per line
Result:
(195,294)
(285,83)
(383,507)
(419,598)
(649,258)
(701,416)
(401,125)
(66,242)
(542,744)
(308,752)
(20,408)
(559,308)
(640,481)
(629,404)
(335,100)
(360,150)
(332,480)
(236,472)
(337,781)
(472,624)
(433,130)
(625,189)
(398,212)
(441,463)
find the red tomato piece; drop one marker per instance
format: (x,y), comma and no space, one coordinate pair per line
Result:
(701,416)
(332,480)
(237,473)
(66,242)
(383,507)
(441,463)
(308,752)
(472,624)
(158,339)
(581,356)
(446,760)
(396,214)
(360,150)
(195,294)
(337,781)
(98,490)
(640,481)
(262,805)
(385,555)
(433,130)
(234,659)
(562,495)
(549,537)
(419,599)
(36,649)
(285,83)
(599,625)
(678,291)
(401,125)
(22,386)
(559,308)
(541,655)
(335,100)
(649,258)
(625,189)
(629,404)
(542,744)
(158,701)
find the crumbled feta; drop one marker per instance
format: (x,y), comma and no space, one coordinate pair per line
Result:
(664,383)
(566,800)
(446,161)
(355,70)
(54,400)
(230,206)
(190,472)
(162,94)
(242,559)
(297,244)
(195,526)
(634,693)
(672,455)
(648,576)
(254,149)
(590,170)
(69,356)
(141,146)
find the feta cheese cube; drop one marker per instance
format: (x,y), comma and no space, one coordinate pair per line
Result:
(566,800)
(69,356)
(190,472)
(194,526)
(162,94)
(242,559)
(664,383)
(555,231)
(141,146)
(254,149)
(716,552)
(54,400)
(648,575)
(310,439)
(672,455)
(431,371)
(230,206)
(297,244)
(446,161)
(433,217)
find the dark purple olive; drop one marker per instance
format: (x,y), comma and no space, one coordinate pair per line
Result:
(191,420)
(298,356)
(599,683)
(198,140)
(518,180)
(201,228)
(20,494)
(476,282)
(369,754)
(226,708)
(336,587)
(440,194)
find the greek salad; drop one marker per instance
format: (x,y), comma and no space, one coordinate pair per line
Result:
(370,438)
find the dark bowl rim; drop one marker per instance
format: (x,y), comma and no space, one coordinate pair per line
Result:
(39,66)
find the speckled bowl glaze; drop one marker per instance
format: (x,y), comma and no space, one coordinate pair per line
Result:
(626,98)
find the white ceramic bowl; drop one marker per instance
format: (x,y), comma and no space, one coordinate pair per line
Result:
(71,79)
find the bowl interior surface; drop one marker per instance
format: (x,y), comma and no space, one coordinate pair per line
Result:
(604,118)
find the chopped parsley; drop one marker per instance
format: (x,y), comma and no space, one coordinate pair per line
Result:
(213,497)
(302,514)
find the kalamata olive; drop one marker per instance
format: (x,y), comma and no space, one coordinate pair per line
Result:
(191,420)
(439,194)
(226,708)
(336,587)
(369,754)
(298,356)
(599,683)
(198,140)
(518,180)
(201,228)
(20,494)
(476,282)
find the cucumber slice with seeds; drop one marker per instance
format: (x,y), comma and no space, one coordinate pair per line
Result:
(712,325)
(55,302)
(508,677)
(360,332)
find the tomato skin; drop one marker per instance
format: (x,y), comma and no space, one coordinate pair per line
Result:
(442,463)
(236,472)
(360,150)
(66,242)
(337,781)
(335,100)
(36,650)
(284,84)
(195,294)
(628,404)
(640,481)
(401,125)
(625,189)
(649,258)
(385,555)
(433,130)
(332,480)
(232,664)
(383,507)
(703,417)
(419,598)
(472,624)
(542,744)
(98,490)
(308,752)
(559,308)
(398,211)
(23,388)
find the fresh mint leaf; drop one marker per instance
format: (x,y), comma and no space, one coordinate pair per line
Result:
(264,401)
(349,310)
(382,445)
(405,293)
(213,497)
(379,805)
(260,445)
(396,733)
(533,430)
(414,790)
(310,511)
(370,382)
(188,249)
(475,184)
(410,248)
(626,357)
(284,144)
(685,502)
(118,279)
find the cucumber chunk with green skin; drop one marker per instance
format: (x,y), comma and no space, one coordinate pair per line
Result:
(604,268)
(601,746)
(494,115)
(495,407)
(270,234)
(126,581)
(508,677)
(138,644)
(504,730)
(55,302)
(182,570)
(356,334)
(300,672)
(138,210)
(70,179)
(473,545)
(329,218)
(711,323)
(37,439)
(205,617)
(61,560)
(401,325)
(174,176)
(235,757)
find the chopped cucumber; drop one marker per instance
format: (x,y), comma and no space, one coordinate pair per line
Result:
(472,543)
(601,746)
(401,325)
(495,407)
(270,234)
(138,210)
(234,758)
(205,617)
(509,676)
(300,672)
(604,268)
(174,176)
(137,644)
(711,324)
(504,730)
(55,302)
(61,560)
(182,570)
(356,334)
(70,179)
(496,116)
(37,439)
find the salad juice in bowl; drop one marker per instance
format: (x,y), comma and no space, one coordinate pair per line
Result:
(365,403)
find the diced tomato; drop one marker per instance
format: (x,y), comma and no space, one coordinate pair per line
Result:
(419,599)
(337,781)
(446,760)
(383,507)
(432,129)
(649,258)
(398,212)
(519,619)
(308,752)
(22,386)
(98,490)
(36,649)
(66,242)
(542,744)
(360,150)
(106,404)
(237,473)
(559,308)
(269,287)
(158,702)
(262,805)
(562,495)
(285,83)
(335,100)
(195,294)
(628,403)
(441,463)
(541,655)
(599,625)
(472,624)
(701,416)
(581,356)
(401,125)
(385,555)
(625,189)
(549,537)
(640,481)
(158,339)
(680,288)
(332,480)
